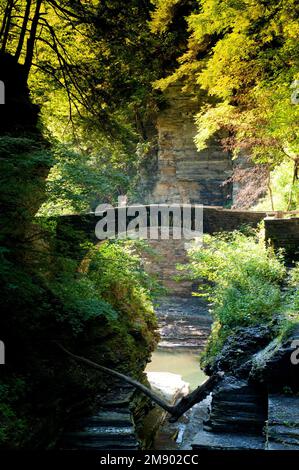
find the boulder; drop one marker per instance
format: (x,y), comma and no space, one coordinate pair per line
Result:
(236,355)
(169,386)
(273,365)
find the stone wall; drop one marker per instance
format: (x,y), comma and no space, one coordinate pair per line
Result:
(284,233)
(162,263)
(184,174)
(216,219)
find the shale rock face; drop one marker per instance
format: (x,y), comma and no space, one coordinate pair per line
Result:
(283,422)
(237,407)
(184,323)
(184,174)
(238,351)
(273,364)
(256,404)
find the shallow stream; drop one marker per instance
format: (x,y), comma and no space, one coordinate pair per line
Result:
(184,326)
(178,361)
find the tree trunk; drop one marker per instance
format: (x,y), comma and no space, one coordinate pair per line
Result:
(176,411)
(6,25)
(23,30)
(31,39)
(295,178)
(270,189)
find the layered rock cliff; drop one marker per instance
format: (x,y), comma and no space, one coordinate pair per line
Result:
(185,175)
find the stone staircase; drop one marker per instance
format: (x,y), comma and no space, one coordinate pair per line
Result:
(282,427)
(240,420)
(112,427)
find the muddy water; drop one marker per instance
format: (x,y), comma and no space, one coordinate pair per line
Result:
(182,362)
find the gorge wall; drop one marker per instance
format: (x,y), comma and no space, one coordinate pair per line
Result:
(185,175)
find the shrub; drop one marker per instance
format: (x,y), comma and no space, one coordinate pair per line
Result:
(100,308)
(243,283)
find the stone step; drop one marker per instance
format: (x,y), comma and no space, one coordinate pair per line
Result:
(236,408)
(273,445)
(206,440)
(109,418)
(110,428)
(120,399)
(283,422)
(102,432)
(183,321)
(167,345)
(247,409)
(109,444)
(101,437)
(190,324)
(180,338)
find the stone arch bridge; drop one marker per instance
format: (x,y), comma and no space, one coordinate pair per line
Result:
(215,219)
(72,230)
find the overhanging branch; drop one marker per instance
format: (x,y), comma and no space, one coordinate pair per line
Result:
(177,410)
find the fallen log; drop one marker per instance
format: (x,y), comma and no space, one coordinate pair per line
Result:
(177,410)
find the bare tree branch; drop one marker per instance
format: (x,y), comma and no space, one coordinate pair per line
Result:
(6,24)
(176,411)
(67,13)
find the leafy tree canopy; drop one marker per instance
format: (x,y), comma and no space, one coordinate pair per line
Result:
(245,55)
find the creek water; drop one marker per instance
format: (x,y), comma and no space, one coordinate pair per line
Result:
(177,361)
(184,325)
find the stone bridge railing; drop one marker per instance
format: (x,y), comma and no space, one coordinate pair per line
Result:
(215,219)
(281,232)
(284,233)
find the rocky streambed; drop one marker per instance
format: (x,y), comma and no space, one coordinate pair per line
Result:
(255,405)
(184,327)
(125,418)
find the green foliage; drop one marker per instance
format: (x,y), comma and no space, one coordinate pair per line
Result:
(243,282)
(89,67)
(117,270)
(80,299)
(285,192)
(98,308)
(24,162)
(78,182)
(163,14)
(291,307)
(12,427)
(245,56)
